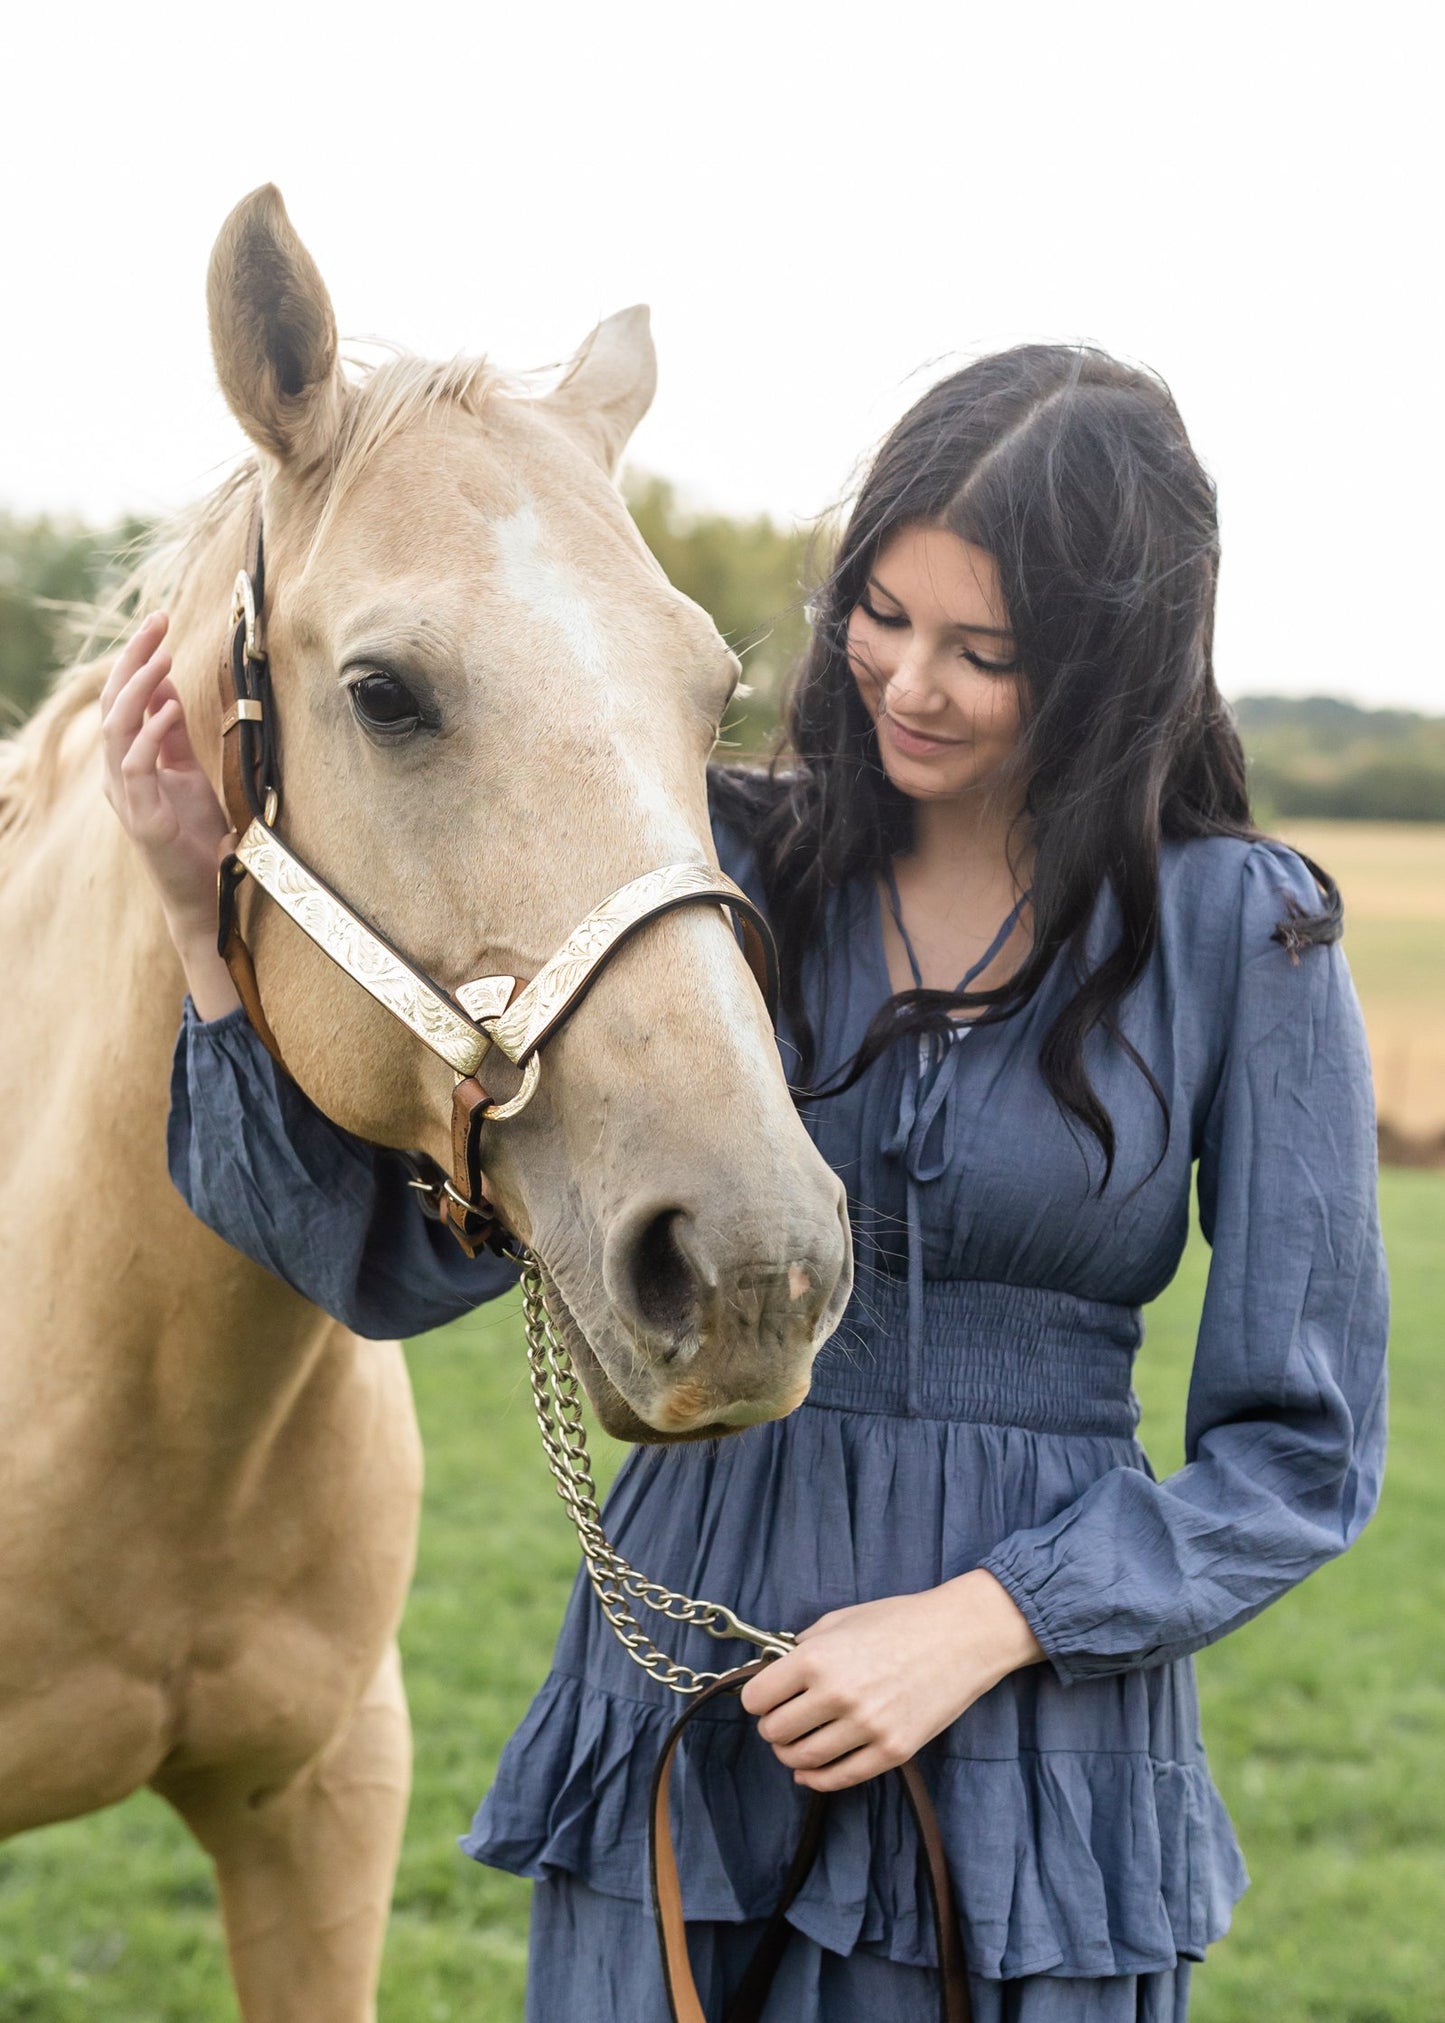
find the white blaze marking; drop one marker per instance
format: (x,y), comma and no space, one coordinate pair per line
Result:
(547,590)
(548,593)
(657,807)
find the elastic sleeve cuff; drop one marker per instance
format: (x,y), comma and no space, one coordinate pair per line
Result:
(1049,1633)
(229,1022)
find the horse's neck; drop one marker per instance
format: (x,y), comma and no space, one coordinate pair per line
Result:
(104,1005)
(107,1259)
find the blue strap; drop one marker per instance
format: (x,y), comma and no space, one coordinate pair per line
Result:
(923,1099)
(895,907)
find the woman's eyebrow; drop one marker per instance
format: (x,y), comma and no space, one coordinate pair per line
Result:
(997,631)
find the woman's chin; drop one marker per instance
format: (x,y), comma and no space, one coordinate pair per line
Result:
(930,780)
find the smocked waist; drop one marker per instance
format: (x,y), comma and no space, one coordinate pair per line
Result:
(982,1351)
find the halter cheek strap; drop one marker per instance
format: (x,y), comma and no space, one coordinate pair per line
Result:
(461,1025)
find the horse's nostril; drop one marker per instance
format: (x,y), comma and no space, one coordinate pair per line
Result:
(663,1274)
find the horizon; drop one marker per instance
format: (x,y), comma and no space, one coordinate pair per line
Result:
(1299,699)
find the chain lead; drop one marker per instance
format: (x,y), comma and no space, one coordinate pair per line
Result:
(556,1395)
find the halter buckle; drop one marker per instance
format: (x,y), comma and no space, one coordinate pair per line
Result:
(440,1189)
(243,607)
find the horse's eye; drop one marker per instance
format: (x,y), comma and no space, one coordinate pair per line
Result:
(384,703)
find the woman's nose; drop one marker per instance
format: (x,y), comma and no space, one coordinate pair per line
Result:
(910,689)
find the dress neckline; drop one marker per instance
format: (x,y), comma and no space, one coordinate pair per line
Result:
(895,907)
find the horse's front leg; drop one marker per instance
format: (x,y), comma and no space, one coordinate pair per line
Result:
(306,1876)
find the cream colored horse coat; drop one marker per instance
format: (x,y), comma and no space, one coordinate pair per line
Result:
(209,1490)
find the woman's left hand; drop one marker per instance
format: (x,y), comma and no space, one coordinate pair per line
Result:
(866,1687)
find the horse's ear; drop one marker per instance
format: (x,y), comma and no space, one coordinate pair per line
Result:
(608,387)
(273,332)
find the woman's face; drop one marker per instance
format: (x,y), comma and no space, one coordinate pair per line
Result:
(934,659)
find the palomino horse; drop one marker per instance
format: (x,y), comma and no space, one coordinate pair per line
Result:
(209,1492)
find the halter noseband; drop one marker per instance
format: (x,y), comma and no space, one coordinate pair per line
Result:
(460,1025)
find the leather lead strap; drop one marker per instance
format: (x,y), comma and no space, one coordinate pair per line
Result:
(684,2002)
(952,1969)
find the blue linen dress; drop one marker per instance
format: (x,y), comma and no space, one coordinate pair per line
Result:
(974,1409)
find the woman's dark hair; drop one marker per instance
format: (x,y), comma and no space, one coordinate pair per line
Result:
(1074,472)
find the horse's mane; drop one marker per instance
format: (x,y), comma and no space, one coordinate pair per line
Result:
(387,396)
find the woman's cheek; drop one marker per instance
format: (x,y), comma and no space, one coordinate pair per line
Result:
(1002,721)
(868,678)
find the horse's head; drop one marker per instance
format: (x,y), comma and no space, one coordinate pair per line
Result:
(494,711)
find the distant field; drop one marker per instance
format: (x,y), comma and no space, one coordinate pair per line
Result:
(1325,1719)
(1393,878)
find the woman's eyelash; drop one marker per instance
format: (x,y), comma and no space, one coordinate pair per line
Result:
(897,618)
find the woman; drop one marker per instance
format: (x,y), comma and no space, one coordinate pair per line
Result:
(1036,962)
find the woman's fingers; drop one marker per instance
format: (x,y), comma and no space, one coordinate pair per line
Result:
(776,1682)
(140,668)
(178,751)
(136,651)
(122,718)
(801,1715)
(823,1745)
(146,807)
(855,1768)
(177,754)
(153,780)
(119,731)
(186,781)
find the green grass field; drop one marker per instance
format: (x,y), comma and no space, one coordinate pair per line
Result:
(1326,1720)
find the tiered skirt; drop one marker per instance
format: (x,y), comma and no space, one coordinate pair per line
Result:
(1084,1835)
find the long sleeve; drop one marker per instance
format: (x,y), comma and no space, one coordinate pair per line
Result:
(330,1214)
(1284,1439)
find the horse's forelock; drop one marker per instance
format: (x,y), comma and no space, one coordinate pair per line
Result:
(389,397)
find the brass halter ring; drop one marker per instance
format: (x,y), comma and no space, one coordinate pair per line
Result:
(498,1113)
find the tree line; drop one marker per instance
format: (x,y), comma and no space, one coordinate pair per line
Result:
(1309,756)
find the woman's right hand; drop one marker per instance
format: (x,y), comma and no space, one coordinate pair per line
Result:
(167,805)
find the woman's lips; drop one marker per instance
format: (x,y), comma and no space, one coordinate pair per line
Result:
(917,744)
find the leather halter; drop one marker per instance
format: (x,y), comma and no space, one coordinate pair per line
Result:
(462,1024)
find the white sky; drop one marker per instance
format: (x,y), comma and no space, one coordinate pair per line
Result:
(825,204)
